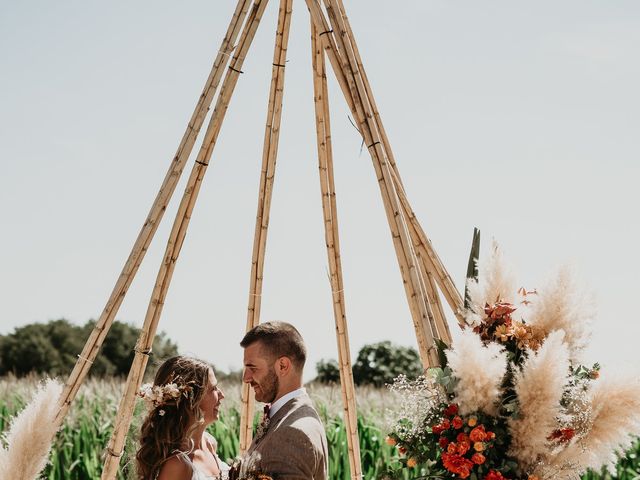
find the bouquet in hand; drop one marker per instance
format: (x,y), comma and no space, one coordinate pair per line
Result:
(248,468)
(512,399)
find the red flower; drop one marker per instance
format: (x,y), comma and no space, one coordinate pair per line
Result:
(402,450)
(457,423)
(462,437)
(451,410)
(437,429)
(452,447)
(478,458)
(478,434)
(494,475)
(562,435)
(457,464)
(443,442)
(446,423)
(490,435)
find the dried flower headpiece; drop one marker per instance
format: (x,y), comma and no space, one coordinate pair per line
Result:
(160,395)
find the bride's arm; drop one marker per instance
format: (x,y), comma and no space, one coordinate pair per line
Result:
(175,469)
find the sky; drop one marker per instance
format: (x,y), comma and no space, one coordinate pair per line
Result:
(519,118)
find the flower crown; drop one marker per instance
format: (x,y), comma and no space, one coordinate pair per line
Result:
(160,395)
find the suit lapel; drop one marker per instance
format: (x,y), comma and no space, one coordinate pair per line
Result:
(276,419)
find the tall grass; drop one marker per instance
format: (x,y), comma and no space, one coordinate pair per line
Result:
(78,453)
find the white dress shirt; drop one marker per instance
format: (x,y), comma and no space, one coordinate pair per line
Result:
(277,405)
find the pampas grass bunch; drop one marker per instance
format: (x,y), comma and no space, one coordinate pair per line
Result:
(31,434)
(477,389)
(539,390)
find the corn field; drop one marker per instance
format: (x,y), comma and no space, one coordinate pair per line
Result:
(79,448)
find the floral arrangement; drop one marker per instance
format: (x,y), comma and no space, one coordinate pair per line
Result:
(156,396)
(512,399)
(248,468)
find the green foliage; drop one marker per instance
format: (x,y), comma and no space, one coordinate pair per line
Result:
(328,371)
(379,363)
(53,348)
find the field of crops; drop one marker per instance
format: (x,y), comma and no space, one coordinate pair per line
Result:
(78,452)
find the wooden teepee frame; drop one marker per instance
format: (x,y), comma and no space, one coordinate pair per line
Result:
(422,271)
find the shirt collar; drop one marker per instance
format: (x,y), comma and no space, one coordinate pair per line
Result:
(278,404)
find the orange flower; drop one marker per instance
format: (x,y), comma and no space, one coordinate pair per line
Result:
(478,434)
(457,423)
(478,446)
(452,447)
(412,462)
(463,447)
(499,310)
(472,422)
(490,436)
(533,477)
(390,441)
(478,458)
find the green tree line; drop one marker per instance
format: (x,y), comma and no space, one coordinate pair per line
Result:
(53,348)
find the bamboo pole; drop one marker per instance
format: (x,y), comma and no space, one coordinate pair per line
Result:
(436,305)
(174,244)
(269,156)
(430,257)
(330,212)
(97,336)
(341,57)
(442,277)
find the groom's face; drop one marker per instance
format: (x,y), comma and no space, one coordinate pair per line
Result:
(260,373)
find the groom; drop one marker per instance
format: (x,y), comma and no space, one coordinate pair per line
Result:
(292,443)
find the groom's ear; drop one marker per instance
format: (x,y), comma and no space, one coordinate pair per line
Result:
(284,365)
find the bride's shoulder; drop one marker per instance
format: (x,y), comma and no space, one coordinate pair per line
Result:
(175,468)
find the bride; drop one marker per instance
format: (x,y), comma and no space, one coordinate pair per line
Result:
(183,400)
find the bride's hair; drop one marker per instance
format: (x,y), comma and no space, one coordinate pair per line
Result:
(168,427)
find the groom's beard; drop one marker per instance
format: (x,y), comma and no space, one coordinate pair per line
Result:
(269,387)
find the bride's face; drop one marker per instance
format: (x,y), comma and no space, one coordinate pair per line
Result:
(210,403)
(260,373)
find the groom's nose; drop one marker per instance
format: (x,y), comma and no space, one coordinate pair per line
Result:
(246,376)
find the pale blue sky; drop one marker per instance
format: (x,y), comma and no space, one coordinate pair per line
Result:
(521,118)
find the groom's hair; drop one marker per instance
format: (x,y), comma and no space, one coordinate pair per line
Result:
(280,339)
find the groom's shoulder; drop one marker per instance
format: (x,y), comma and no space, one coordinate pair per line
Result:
(302,408)
(303,417)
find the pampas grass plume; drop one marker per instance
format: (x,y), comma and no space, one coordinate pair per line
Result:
(615,417)
(562,305)
(495,281)
(480,370)
(30,435)
(539,387)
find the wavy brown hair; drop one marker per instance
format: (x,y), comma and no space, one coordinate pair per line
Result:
(168,428)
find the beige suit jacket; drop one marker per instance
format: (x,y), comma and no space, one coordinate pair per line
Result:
(294,445)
